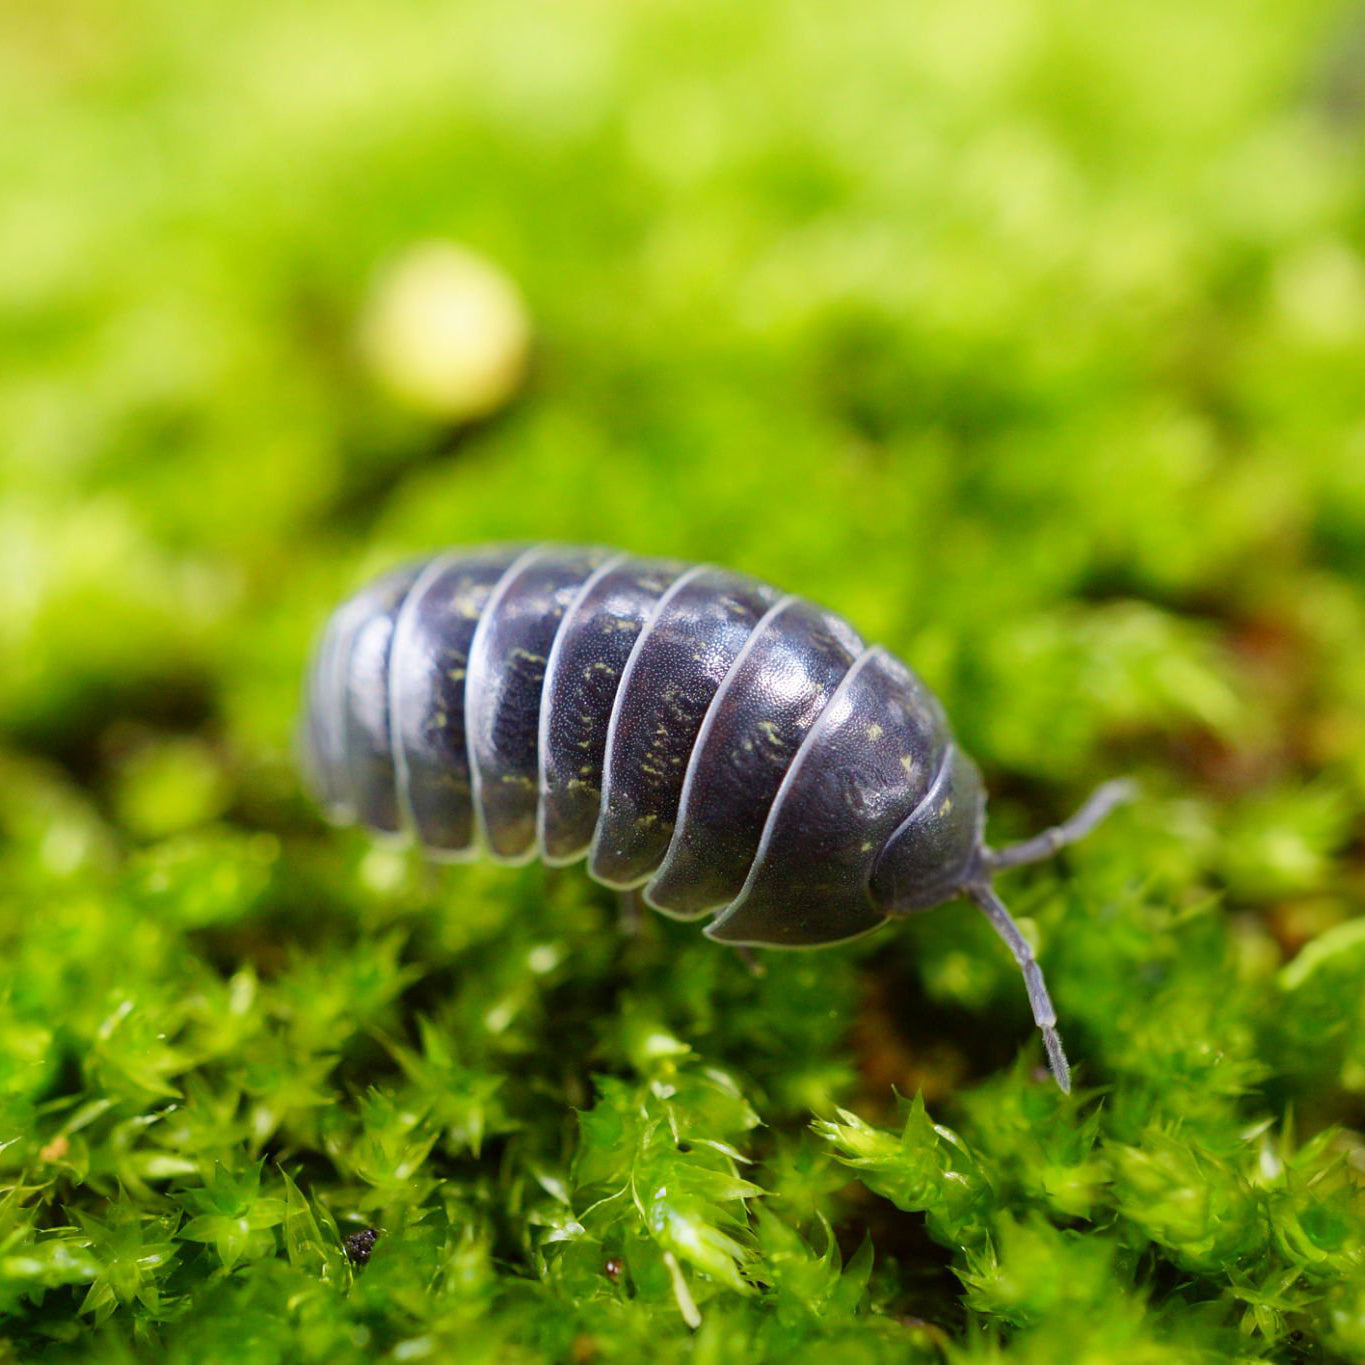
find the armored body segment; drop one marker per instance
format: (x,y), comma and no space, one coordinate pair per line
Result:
(427,696)
(507,660)
(786,673)
(361,664)
(866,763)
(937,849)
(587,660)
(679,661)
(324,738)
(328,763)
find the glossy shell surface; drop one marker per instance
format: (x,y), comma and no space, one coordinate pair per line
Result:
(691,731)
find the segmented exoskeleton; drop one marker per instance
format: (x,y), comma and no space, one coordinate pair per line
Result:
(693,732)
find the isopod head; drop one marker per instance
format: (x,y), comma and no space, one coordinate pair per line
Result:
(937,850)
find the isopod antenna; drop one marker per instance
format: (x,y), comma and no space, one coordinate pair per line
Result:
(1044,1015)
(1103,800)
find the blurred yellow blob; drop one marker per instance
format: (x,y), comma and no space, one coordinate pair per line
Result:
(446,332)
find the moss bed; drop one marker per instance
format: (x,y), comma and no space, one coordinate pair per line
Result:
(1028,337)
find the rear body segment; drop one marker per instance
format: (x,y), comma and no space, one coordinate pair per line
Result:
(350,746)
(427,697)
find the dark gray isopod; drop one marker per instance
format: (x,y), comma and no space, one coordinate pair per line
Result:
(690,731)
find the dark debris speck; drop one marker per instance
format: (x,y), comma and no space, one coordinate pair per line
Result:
(360,1245)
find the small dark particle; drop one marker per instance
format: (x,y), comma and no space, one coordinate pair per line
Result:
(360,1244)
(613,1270)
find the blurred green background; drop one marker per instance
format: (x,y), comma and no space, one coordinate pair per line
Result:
(1029,337)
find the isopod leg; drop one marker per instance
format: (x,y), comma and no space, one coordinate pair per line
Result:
(750,960)
(1042,846)
(630,908)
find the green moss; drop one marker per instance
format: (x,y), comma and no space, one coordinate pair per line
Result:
(1027,337)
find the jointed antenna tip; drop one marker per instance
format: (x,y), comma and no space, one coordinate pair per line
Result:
(1056,1060)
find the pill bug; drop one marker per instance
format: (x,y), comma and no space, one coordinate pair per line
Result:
(729,749)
